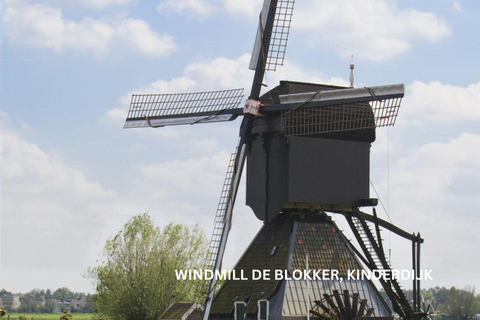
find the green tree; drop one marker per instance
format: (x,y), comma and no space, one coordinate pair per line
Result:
(137,279)
(33,306)
(51,305)
(478,303)
(463,303)
(66,315)
(63,293)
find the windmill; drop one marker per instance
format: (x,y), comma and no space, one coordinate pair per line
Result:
(307,152)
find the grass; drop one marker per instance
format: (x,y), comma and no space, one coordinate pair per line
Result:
(46,316)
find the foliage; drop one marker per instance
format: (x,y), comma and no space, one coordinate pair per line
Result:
(47,316)
(33,306)
(50,305)
(66,315)
(440,298)
(64,293)
(2,312)
(463,303)
(137,279)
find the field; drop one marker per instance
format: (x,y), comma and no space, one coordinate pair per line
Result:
(46,316)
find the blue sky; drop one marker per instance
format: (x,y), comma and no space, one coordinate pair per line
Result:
(71,176)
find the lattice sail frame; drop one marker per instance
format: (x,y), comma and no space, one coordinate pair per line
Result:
(279,37)
(182,108)
(280,33)
(341,118)
(348,114)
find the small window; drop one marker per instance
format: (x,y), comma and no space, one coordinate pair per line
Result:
(272,252)
(262,309)
(239,310)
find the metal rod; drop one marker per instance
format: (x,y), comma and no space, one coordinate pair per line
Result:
(418,272)
(308,292)
(414,266)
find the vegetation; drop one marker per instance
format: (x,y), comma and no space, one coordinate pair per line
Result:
(137,279)
(463,303)
(66,315)
(45,316)
(41,301)
(453,303)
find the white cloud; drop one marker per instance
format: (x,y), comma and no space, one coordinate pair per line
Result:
(105,3)
(369,29)
(98,4)
(44,26)
(435,168)
(185,177)
(433,190)
(458,6)
(47,207)
(242,8)
(202,9)
(435,101)
(193,8)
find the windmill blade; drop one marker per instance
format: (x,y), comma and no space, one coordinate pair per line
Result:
(271,44)
(159,110)
(269,14)
(339,110)
(222,225)
(227,202)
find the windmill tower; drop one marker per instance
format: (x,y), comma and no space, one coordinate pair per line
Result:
(307,152)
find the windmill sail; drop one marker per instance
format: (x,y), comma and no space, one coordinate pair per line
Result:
(277,41)
(158,110)
(341,110)
(222,223)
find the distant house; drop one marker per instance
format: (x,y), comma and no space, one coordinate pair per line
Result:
(63,304)
(10,301)
(71,304)
(76,304)
(39,300)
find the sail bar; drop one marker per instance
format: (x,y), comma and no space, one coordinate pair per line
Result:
(158,110)
(341,110)
(348,95)
(279,36)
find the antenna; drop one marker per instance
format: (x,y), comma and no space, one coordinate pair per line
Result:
(352,77)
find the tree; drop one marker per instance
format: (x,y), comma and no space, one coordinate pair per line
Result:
(33,306)
(50,305)
(66,315)
(63,293)
(463,303)
(137,279)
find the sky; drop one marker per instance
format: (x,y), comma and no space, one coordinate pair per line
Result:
(72,177)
